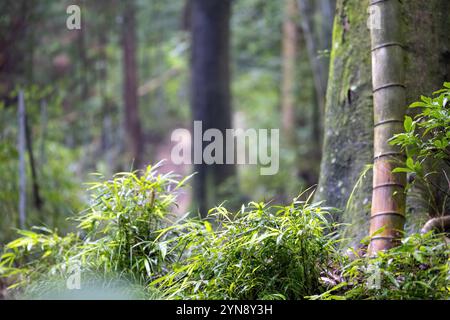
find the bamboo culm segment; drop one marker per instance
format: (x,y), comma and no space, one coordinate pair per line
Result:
(389,98)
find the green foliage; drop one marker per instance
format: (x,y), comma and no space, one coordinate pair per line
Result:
(33,254)
(116,234)
(417,269)
(93,287)
(261,252)
(127,246)
(428,135)
(426,142)
(121,224)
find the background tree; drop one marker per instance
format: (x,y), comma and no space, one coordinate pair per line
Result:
(134,141)
(289,60)
(210,100)
(16,57)
(317,25)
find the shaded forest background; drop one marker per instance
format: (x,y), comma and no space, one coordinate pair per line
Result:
(83,116)
(107,97)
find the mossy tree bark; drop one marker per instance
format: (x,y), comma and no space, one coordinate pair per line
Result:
(348,134)
(348,128)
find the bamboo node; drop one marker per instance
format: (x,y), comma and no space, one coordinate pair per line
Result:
(388,213)
(389,85)
(372,3)
(387,44)
(389,154)
(388,184)
(387,121)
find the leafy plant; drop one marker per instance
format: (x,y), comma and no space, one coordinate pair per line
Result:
(261,252)
(426,141)
(417,269)
(115,235)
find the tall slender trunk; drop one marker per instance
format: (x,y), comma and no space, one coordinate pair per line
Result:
(210,95)
(389,98)
(22,150)
(318,38)
(134,138)
(34,178)
(84,62)
(290,50)
(43,132)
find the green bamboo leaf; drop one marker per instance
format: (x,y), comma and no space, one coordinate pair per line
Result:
(408,123)
(417,104)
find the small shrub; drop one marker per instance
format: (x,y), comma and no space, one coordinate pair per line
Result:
(115,235)
(426,141)
(262,252)
(417,269)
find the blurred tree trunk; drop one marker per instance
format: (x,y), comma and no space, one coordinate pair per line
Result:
(38,202)
(210,95)
(290,50)
(134,137)
(84,61)
(15,60)
(348,134)
(317,23)
(21,146)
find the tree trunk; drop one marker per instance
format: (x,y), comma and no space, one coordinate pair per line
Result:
(290,44)
(348,132)
(389,104)
(38,202)
(210,96)
(318,37)
(21,145)
(15,58)
(134,138)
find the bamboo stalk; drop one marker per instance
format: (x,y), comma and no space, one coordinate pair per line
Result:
(389,98)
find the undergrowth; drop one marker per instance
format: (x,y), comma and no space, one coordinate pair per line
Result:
(127,245)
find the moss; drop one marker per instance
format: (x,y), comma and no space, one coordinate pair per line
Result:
(348,120)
